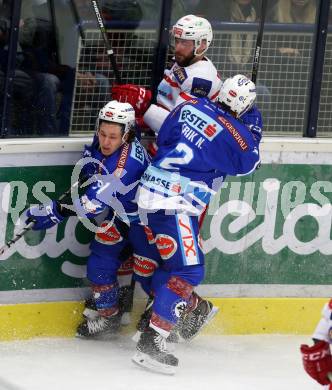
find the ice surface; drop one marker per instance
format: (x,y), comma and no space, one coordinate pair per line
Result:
(267,362)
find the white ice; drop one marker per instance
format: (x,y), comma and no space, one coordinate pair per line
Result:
(261,362)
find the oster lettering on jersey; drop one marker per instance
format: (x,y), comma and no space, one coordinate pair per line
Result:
(180,74)
(200,122)
(234,133)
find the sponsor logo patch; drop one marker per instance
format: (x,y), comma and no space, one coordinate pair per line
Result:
(144,266)
(166,245)
(126,267)
(177,31)
(201,87)
(180,75)
(108,235)
(234,133)
(200,122)
(188,241)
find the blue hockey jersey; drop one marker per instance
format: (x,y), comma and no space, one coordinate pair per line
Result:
(199,144)
(113,180)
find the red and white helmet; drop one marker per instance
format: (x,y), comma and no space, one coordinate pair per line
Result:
(194,28)
(116,112)
(238,93)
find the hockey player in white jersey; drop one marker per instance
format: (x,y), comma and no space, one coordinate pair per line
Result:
(191,75)
(316,359)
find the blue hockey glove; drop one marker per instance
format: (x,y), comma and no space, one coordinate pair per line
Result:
(253,120)
(44,215)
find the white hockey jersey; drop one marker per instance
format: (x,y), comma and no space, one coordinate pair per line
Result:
(179,84)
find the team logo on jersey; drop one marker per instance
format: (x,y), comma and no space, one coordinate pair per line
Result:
(108,234)
(178,308)
(180,74)
(234,133)
(166,245)
(149,235)
(144,266)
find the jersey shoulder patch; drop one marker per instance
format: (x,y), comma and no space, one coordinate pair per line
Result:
(180,74)
(200,87)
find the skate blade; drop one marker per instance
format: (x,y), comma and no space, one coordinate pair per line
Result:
(136,336)
(145,361)
(106,336)
(208,319)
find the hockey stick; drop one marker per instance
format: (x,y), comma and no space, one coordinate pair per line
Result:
(259,41)
(109,49)
(30,225)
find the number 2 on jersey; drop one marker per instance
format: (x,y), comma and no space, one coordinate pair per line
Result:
(182,156)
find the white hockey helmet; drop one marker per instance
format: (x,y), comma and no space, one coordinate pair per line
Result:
(116,112)
(193,28)
(238,93)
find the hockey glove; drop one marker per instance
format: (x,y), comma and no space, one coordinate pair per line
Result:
(44,215)
(253,120)
(138,97)
(317,361)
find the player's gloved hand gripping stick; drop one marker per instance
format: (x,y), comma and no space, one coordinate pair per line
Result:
(32,223)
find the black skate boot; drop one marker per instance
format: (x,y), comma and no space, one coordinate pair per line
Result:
(152,353)
(99,327)
(194,321)
(90,310)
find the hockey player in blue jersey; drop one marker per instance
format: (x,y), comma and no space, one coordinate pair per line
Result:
(115,162)
(199,144)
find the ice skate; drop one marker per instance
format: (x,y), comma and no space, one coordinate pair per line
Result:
(194,321)
(99,327)
(152,353)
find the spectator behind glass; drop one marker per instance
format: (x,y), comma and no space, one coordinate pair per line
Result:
(293,11)
(240,47)
(53,79)
(23,93)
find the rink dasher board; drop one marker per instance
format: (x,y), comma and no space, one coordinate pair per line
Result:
(255,296)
